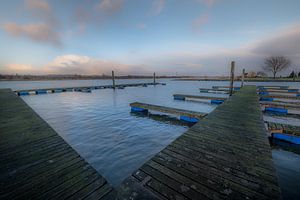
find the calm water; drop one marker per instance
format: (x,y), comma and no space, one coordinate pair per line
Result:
(101,128)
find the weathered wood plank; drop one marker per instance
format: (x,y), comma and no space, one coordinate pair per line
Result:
(36,163)
(226,155)
(169,110)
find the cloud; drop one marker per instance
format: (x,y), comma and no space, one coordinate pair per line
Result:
(90,12)
(215,60)
(286,42)
(157,7)
(199,22)
(43,31)
(38,5)
(18,68)
(39,32)
(78,64)
(109,6)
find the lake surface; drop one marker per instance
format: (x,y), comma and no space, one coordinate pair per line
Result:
(101,128)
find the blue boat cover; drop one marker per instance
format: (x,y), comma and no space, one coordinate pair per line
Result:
(263,93)
(189,119)
(179,97)
(23,93)
(277,110)
(266,99)
(216,101)
(41,91)
(136,109)
(290,138)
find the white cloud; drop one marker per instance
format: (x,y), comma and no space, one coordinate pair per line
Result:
(38,32)
(43,31)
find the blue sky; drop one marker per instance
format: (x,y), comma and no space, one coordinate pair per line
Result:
(187,37)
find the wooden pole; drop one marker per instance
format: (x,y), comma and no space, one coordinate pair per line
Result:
(231,77)
(154,81)
(243,77)
(113,79)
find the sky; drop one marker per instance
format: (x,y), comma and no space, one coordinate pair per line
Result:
(139,37)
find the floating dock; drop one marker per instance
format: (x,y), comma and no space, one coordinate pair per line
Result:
(228,87)
(206,99)
(214,91)
(80,89)
(224,156)
(273,87)
(185,115)
(36,163)
(284,105)
(292,91)
(284,132)
(283,128)
(272,96)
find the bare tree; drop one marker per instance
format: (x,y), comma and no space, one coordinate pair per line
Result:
(276,64)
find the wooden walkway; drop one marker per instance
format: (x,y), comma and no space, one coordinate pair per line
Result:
(36,163)
(225,156)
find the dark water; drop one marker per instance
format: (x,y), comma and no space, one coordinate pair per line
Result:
(101,128)
(286,158)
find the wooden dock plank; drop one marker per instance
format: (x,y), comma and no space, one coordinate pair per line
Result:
(169,110)
(226,155)
(199,97)
(36,161)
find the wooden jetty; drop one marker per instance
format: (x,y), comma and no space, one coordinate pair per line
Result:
(273,87)
(228,87)
(288,91)
(216,91)
(285,105)
(279,96)
(207,99)
(283,128)
(224,156)
(185,115)
(183,96)
(36,163)
(79,89)
(284,132)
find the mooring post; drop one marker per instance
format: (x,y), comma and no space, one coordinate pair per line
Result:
(231,77)
(243,77)
(154,81)
(113,79)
